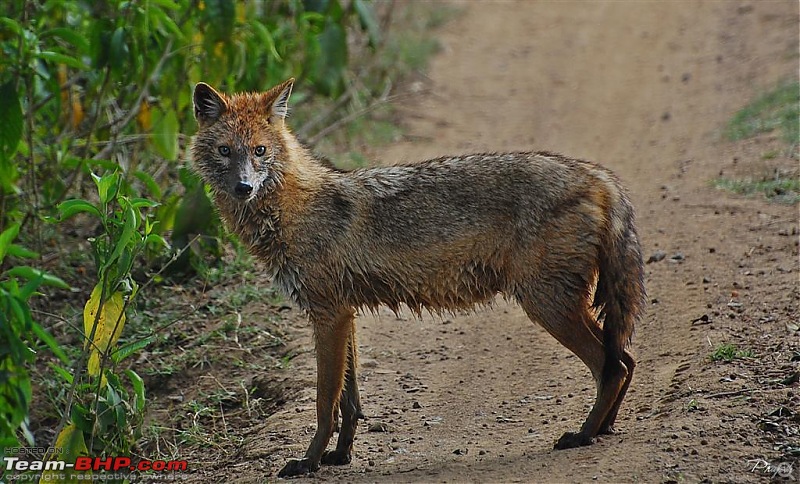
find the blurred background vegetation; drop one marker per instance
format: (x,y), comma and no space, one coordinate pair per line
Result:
(97,200)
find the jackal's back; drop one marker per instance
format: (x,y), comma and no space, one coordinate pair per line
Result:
(448,233)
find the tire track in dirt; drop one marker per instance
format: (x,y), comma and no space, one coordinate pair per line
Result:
(643,88)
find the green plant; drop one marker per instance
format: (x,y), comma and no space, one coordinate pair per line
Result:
(728,352)
(102,412)
(107,85)
(20,337)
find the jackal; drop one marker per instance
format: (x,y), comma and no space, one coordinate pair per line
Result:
(554,234)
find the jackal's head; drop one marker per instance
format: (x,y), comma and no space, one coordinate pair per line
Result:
(240,146)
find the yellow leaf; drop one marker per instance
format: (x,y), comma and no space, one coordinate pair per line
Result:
(62,83)
(105,335)
(144,118)
(77,112)
(71,445)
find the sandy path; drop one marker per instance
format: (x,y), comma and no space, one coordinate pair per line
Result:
(645,88)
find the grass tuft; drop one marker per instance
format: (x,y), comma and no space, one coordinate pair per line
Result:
(729,352)
(776,109)
(782,188)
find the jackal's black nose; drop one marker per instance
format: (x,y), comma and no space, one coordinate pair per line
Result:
(243,189)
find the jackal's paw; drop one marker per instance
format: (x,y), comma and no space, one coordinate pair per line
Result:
(336,457)
(606,430)
(571,439)
(297,467)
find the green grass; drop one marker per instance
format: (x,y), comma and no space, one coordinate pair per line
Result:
(729,352)
(782,188)
(777,109)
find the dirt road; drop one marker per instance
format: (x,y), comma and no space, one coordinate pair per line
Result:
(645,88)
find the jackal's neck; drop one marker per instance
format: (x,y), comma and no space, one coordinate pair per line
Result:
(302,173)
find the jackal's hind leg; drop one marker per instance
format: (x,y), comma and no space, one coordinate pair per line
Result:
(575,331)
(607,427)
(608,424)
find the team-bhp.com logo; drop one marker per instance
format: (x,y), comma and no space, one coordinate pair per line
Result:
(88,464)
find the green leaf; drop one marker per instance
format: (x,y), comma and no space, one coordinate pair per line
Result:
(188,178)
(21,313)
(31,273)
(70,35)
(119,49)
(368,21)
(138,389)
(11,116)
(12,25)
(165,134)
(148,181)
(220,19)
(143,202)
(51,342)
(195,215)
(61,59)
(112,395)
(131,348)
(107,186)
(266,38)
(157,240)
(6,238)
(21,252)
(70,207)
(9,174)
(128,229)
(62,372)
(160,17)
(330,64)
(26,291)
(81,417)
(168,4)
(335,12)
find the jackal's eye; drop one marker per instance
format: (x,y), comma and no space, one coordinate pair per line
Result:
(225,150)
(260,150)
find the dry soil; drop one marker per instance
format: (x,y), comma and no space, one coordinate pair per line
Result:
(645,88)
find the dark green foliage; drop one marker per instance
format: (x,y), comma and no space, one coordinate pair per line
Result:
(95,119)
(20,338)
(87,87)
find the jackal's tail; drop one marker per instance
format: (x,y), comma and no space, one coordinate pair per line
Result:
(620,293)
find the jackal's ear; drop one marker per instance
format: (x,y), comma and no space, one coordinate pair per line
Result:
(208,104)
(279,100)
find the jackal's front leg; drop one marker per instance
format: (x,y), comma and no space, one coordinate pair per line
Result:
(350,406)
(332,332)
